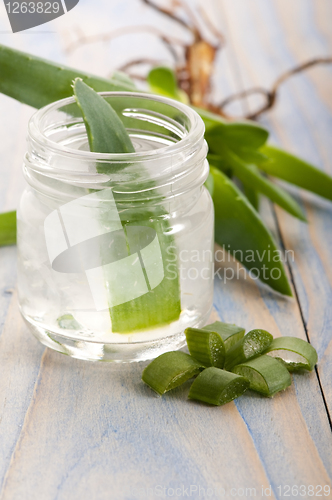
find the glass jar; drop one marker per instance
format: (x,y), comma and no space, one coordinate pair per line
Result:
(115,250)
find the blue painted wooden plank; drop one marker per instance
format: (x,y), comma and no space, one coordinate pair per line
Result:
(7,280)
(93,430)
(20,357)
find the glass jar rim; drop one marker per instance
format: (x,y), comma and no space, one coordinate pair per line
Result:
(194,134)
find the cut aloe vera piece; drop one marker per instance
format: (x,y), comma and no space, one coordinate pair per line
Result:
(296,354)
(69,322)
(170,370)
(217,387)
(265,374)
(230,333)
(252,344)
(207,347)
(160,305)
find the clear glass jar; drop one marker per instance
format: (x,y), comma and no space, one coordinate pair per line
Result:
(115,250)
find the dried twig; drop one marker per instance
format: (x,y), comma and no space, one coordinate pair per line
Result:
(83,39)
(194,75)
(219,36)
(167,13)
(271,95)
(138,62)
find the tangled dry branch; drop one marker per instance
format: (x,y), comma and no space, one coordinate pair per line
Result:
(195,64)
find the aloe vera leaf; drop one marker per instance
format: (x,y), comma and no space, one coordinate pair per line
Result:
(243,134)
(250,175)
(251,156)
(296,171)
(235,135)
(170,370)
(241,230)
(107,134)
(252,195)
(229,332)
(38,82)
(162,80)
(217,387)
(121,78)
(296,354)
(220,164)
(8,228)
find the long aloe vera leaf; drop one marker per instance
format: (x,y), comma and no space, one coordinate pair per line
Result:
(239,228)
(121,78)
(38,82)
(234,134)
(250,175)
(296,171)
(107,134)
(8,228)
(250,156)
(252,195)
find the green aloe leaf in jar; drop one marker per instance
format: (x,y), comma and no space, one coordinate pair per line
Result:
(107,134)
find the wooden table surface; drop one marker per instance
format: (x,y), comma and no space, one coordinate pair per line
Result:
(78,430)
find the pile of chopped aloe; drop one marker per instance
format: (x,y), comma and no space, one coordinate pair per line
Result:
(226,363)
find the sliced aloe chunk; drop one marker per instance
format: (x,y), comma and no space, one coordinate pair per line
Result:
(217,387)
(207,347)
(296,354)
(230,333)
(251,345)
(68,321)
(170,370)
(265,374)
